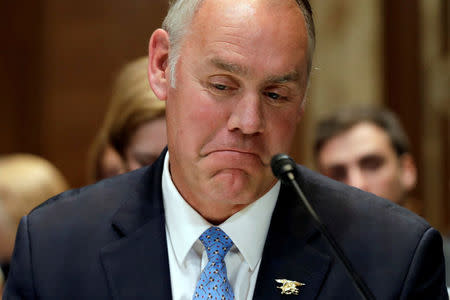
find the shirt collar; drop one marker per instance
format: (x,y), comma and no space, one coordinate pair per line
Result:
(247,228)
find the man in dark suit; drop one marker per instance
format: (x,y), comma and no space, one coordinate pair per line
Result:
(367,147)
(208,219)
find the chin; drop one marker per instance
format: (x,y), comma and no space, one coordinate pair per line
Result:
(235,186)
(230,182)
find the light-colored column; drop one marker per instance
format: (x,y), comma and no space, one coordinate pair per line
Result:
(347,67)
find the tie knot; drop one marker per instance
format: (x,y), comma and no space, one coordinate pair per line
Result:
(217,243)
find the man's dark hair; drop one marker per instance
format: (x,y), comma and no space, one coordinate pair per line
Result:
(345,119)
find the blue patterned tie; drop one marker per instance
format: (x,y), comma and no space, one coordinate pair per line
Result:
(213,282)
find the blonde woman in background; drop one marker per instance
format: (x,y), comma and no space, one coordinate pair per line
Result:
(26,181)
(133,133)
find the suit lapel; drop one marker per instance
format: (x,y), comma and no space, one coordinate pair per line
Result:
(137,265)
(288,252)
(131,264)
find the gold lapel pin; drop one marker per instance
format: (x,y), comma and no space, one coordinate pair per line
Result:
(289,287)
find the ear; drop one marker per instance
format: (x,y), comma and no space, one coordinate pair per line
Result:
(409,171)
(158,61)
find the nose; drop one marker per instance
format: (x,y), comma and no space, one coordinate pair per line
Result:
(357,179)
(247,115)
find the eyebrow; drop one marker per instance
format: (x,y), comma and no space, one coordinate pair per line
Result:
(290,77)
(229,67)
(241,70)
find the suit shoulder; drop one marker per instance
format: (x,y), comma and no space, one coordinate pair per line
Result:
(339,201)
(101,198)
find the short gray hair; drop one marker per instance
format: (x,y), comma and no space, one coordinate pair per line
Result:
(181,13)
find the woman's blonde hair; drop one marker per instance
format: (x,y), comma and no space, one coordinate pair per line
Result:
(133,104)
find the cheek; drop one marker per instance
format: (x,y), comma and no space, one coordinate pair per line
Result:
(195,119)
(386,179)
(203,115)
(281,129)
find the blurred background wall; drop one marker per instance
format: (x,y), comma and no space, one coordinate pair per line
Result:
(58,60)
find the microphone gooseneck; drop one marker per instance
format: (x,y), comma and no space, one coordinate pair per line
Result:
(284,168)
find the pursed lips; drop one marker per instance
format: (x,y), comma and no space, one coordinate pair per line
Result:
(237,151)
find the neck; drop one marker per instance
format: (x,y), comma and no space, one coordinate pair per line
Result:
(216,213)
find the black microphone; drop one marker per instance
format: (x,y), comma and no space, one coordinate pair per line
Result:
(285,169)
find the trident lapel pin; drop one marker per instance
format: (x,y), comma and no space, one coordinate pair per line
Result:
(289,287)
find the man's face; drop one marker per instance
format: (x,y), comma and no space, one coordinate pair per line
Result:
(240,82)
(364,157)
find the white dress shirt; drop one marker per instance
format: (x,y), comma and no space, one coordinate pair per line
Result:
(187,256)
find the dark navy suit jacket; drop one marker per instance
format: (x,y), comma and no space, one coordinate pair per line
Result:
(108,241)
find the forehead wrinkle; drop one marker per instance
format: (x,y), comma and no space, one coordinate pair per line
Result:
(229,67)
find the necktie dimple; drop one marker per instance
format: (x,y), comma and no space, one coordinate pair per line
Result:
(213,282)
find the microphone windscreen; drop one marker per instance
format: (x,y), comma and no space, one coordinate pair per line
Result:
(282,164)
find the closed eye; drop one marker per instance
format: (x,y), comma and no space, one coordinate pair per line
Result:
(220,87)
(277,93)
(275,98)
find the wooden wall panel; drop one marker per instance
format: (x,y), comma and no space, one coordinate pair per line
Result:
(58,70)
(19,80)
